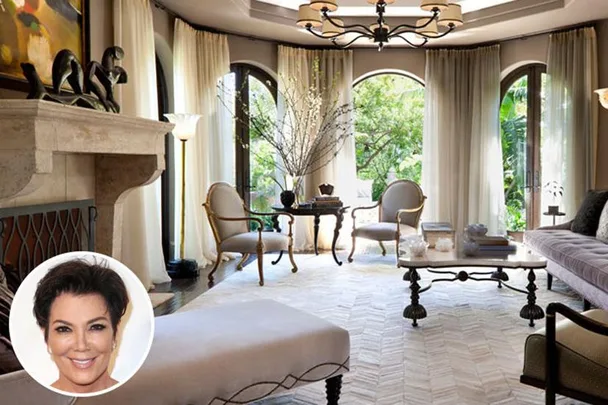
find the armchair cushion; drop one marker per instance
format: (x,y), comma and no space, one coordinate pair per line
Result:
(583,356)
(383,231)
(248,242)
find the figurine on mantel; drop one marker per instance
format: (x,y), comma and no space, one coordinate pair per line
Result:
(67,68)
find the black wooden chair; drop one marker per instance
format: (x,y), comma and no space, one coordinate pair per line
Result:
(569,357)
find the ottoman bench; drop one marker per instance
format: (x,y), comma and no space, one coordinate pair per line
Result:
(235,354)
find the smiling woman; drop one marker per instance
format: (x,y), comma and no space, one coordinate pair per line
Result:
(81,324)
(79,306)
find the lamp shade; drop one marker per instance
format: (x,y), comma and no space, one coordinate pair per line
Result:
(603,93)
(330,5)
(185,125)
(451,16)
(430,29)
(306,15)
(429,5)
(330,29)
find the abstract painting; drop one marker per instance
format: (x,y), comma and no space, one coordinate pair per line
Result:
(35,30)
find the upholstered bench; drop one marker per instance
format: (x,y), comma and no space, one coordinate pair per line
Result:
(228,354)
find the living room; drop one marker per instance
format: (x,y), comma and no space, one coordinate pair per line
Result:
(427,125)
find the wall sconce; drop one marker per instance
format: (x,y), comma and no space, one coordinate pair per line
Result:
(603,93)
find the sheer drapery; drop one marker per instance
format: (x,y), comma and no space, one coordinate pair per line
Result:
(569,146)
(141,232)
(462,158)
(334,66)
(200,60)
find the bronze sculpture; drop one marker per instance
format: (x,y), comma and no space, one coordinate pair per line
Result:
(67,68)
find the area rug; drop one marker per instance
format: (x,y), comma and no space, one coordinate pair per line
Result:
(469,350)
(160,298)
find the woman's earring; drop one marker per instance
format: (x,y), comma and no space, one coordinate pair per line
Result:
(114,345)
(48,349)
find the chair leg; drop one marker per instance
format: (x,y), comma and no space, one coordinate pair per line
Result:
(333,386)
(260,253)
(352,252)
(383,248)
(397,250)
(549,281)
(294,269)
(240,265)
(215,266)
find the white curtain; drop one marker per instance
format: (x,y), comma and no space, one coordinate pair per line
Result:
(141,233)
(462,158)
(570,138)
(200,60)
(333,66)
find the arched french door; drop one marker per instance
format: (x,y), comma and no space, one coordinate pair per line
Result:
(521,122)
(254,157)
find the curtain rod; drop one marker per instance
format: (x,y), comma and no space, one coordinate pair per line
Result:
(173,14)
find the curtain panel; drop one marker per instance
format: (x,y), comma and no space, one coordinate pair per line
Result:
(297,66)
(462,158)
(141,233)
(200,60)
(569,147)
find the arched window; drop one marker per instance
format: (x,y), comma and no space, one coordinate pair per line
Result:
(388,131)
(521,116)
(254,157)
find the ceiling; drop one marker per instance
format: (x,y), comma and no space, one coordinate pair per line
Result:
(485,20)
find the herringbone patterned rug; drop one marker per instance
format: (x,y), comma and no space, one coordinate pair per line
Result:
(469,350)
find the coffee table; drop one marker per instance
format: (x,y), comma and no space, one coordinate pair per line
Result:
(435,259)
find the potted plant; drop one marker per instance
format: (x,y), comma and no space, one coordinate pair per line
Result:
(556,191)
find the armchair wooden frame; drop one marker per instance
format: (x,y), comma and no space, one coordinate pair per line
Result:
(418,209)
(551,383)
(260,248)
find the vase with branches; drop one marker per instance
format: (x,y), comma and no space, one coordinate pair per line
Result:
(306,133)
(556,192)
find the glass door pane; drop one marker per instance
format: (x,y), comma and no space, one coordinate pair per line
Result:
(261,152)
(516,164)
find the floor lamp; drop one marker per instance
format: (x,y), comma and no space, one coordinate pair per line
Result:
(185,128)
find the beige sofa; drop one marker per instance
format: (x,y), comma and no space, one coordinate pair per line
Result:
(229,354)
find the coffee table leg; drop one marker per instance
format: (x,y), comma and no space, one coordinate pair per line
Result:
(414,311)
(339,219)
(531,311)
(500,275)
(317,221)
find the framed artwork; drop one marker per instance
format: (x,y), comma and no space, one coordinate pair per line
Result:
(35,31)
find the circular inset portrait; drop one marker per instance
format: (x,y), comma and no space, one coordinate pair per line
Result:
(81,324)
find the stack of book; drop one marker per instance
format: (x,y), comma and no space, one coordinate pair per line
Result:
(494,245)
(326,201)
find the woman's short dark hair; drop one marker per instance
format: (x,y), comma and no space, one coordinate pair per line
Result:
(80,277)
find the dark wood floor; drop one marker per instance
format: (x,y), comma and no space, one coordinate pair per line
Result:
(187,289)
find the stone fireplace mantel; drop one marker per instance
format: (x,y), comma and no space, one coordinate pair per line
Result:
(128,152)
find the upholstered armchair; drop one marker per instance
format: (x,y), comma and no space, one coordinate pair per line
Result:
(569,357)
(229,219)
(399,210)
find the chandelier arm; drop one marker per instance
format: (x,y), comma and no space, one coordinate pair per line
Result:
(414,27)
(421,34)
(351,42)
(348,27)
(410,42)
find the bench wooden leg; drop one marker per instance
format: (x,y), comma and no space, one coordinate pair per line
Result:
(549,280)
(333,386)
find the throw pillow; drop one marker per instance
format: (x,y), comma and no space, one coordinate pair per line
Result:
(602,229)
(587,218)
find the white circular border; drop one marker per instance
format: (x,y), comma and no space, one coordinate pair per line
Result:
(135,332)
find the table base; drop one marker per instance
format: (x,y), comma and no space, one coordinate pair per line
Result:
(416,311)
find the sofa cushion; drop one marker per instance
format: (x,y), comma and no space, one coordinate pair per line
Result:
(602,229)
(585,256)
(583,356)
(588,216)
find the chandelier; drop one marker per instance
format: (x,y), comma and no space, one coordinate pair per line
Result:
(315,17)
